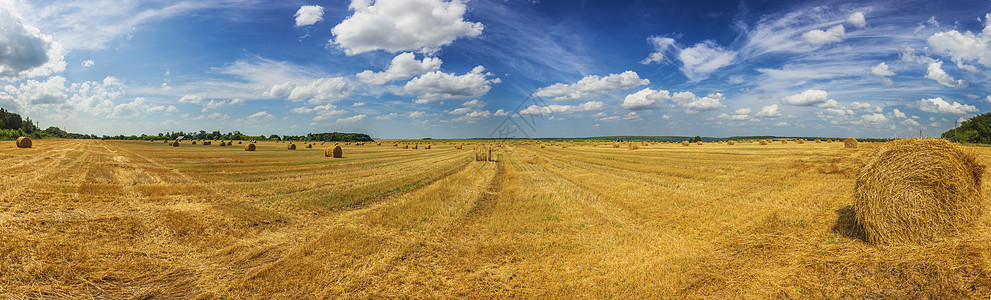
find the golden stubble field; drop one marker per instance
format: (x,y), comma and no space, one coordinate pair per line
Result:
(132,219)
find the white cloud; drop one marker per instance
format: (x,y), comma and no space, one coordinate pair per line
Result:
(646,99)
(592,86)
(129,110)
(96,97)
(806,98)
(402,25)
(661,46)
(171,108)
(280,90)
(818,37)
(738,115)
(215,104)
(500,113)
(857,20)
(935,72)
(535,110)
(308,15)
(938,105)
(33,93)
(351,119)
(403,66)
(769,111)
(474,103)
(473,116)
(881,70)
(781,124)
(195,99)
(967,46)
(910,122)
(323,112)
(863,107)
(88,63)
(701,60)
(323,90)
(694,104)
(895,113)
(213,116)
(26,51)
(439,86)
(460,111)
(987,99)
(874,118)
(236,101)
(262,116)
(358,104)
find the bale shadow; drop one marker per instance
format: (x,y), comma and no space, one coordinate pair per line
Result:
(846,224)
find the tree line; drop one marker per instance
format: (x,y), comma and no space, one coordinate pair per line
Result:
(13,126)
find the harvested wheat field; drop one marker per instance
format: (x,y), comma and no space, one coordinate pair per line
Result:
(120,219)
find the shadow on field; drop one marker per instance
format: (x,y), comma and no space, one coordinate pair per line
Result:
(846,224)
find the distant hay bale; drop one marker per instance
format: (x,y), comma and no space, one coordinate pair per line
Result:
(194,143)
(309,145)
(249,147)
(405,146)
(541,146)
(784,141)
(23,142)
(291,146)
(917,191)
(427,147)
(684,143)
(335,152)
(818,141)
(633,146)
(800,141)
(829,141)
(206,143)
(763,142)
(166,141)
(698,143)
(416,146)
(615,145)
(731,143)
(564,146)
(238,142)
(174,144)
(850,143)
(223,144)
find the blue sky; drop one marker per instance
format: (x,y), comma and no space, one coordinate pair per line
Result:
(459,69)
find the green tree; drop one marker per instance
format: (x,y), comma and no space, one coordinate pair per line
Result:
(975,130)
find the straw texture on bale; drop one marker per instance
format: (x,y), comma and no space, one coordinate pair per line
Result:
(291,146)
(684,143)
(850,143)
(23,142)
(633,146)
(818,141)
(335,152)
(800,141)
(918,191)
(483,153)
(249,147)
(784,141)
(615,145)
(731,143)
(763,143)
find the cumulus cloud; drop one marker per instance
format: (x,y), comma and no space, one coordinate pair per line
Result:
(96,97)
(26,52)
(935,72)
(308,15)
(131,109)
(806,98)
(646,99)
(881,70)
(863,107)
(215,104)
(88,63)
(738,115)
(874,118)
(438,86)
(940,106)
(910,122)
(473,116)
(895,113)
(351,119)
(966,46)
(817,37)
(701,60)
(262,116)
(500,113)
(769,111)
(474,103)
(323,112)
(403,25)
(33,93)
(535,110)
(694,104)
(323,90)
(213,116)
(592,86)
(195,99)
(280,90)
(857,20)
(403,66)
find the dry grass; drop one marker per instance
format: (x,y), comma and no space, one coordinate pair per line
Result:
(919,191)
(113,219)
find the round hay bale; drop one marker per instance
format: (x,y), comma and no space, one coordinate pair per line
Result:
(223,144)
(731,143)
(206,143)
(193,143)
(818,141)
(291,146)
(309,145)
(762,142)
(23,142)
(800,141)
(427,147)
(698,143)
(335,152)
(174,144)
(850,143)
(238,142)
(918,191)
(249,147)
(684,143)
